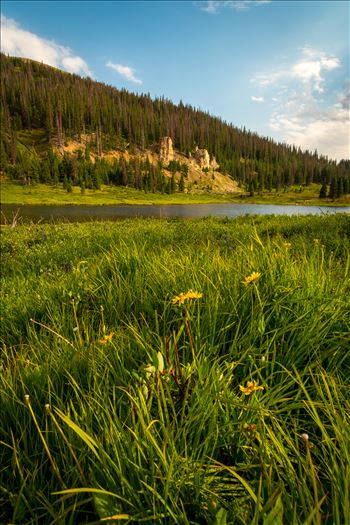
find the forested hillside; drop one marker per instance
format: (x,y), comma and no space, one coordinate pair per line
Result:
(40,101)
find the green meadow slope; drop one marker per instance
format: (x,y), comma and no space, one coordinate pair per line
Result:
(62,130)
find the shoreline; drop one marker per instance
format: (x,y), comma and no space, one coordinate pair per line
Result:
(43,195)
(179,203)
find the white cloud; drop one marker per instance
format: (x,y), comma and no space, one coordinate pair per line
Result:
(310,69)
(18,42)
(125,71)
(75,64)
(268,79)
(302,121)
(344,96)
(257,99)
(305,112)
(330,137)
(213,6)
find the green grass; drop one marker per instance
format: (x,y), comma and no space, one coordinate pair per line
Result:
(308,196)
(12,193)
(149,425)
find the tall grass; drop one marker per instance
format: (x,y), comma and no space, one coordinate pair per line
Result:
(120,403)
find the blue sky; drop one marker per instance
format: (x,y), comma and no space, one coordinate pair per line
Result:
(276,67)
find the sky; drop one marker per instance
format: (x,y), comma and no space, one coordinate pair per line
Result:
(277,68)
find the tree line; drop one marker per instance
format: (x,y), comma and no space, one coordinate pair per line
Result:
(80,171)
(37,96)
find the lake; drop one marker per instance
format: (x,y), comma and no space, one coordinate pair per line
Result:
(110,213)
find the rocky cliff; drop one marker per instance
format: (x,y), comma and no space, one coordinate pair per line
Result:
(201,156)
(166,151)
(213,164)
(202,159)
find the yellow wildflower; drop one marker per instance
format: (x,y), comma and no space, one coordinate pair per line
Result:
(252,386)
(250,278)
(106,338)
(188,296)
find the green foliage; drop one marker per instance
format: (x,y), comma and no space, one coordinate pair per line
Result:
(16,193)
(43,107)
(135,411)
(182,183)
(323,191)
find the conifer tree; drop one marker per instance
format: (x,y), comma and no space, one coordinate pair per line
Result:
(323,191)
(182,183)
(332,189)
(172,184)
(64,106)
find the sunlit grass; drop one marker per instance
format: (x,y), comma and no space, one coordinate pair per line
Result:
(169,371)
(43,194)
(12,193)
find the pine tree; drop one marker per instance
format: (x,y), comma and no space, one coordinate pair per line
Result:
(124,174)
(172,184)
(323,191)
(340,187)
(332,189)
(182,183)
(65,106)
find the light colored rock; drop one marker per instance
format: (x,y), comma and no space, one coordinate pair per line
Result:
(202,158)
(213,164)
(166,151)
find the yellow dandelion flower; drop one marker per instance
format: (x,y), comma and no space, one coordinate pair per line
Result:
(178,299)
(106,338)
(250,278)
(252,386)
(193,295)
(187,296)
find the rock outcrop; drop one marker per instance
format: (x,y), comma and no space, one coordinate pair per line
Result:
(202,158)
(213,164)
(166,151)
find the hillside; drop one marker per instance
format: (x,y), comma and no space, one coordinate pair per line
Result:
(197,179)
(60,128)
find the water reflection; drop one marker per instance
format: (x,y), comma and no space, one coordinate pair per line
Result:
(87,213)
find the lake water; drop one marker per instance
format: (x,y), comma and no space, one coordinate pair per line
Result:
(88,213)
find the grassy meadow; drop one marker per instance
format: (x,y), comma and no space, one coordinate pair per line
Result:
(13,193)
(39,194)
(176,372)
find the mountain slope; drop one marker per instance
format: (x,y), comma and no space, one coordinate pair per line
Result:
(60,108)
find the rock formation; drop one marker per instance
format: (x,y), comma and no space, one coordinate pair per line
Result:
(202,158)
(213,164)
(166,152)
